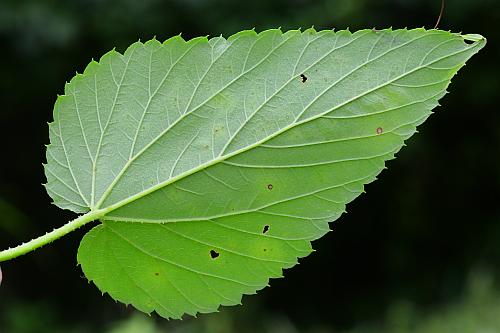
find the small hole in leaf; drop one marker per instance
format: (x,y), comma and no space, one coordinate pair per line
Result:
(266,229)
(214,254)
(379,130)
(303,78)
(270,186)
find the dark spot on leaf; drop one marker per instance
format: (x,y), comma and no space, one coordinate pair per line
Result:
(265,250)
(303,78)
(379,130)
(214,254)
(270,186)
(266,229)
(156,273)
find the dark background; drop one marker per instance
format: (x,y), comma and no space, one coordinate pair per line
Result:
(420,252)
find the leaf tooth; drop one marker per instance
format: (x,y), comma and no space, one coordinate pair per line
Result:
(152,43)
(106,56)
(196,40)
(131,48)
(310,30)
(173,38)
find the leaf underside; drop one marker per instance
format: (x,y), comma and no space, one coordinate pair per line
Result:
(217,161)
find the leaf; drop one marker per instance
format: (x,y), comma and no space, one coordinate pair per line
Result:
(214,163)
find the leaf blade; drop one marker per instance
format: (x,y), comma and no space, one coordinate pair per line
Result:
(229,147)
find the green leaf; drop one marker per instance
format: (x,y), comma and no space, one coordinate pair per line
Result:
(213,163)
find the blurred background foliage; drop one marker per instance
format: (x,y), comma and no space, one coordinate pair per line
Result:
(419,253)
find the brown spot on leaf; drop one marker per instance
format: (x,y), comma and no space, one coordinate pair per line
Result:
(379,130)
(270,186)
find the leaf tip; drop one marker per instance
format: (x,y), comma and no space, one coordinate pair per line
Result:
(474,38)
